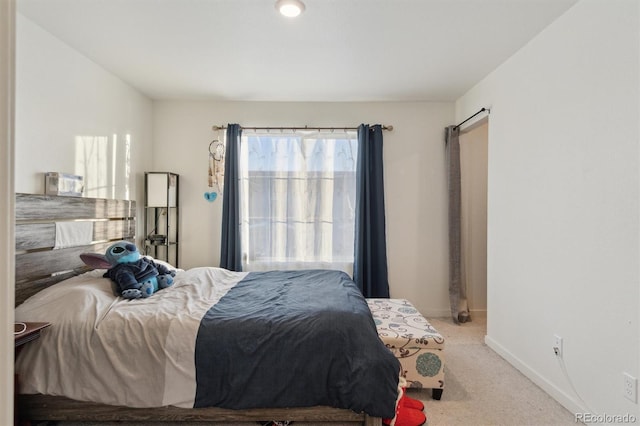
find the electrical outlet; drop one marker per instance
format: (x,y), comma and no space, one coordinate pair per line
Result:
(557,345)
(630,387)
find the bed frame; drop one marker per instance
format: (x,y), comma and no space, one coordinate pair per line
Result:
(38,266)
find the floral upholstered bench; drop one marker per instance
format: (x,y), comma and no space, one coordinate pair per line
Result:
(417,345)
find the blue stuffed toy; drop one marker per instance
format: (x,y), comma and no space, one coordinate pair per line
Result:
(134,276)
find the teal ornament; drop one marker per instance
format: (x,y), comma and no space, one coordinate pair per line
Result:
(210,196)
(428,364)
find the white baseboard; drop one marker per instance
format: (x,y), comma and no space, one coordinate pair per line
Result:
(446,313)
(559,395)
(436,313)
(478,313)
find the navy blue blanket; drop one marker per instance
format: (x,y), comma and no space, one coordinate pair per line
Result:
(294,339)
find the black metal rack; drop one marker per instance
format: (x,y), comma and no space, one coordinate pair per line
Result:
(162,216)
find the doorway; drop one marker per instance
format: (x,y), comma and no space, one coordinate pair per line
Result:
(474,144)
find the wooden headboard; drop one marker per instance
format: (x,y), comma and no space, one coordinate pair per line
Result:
(38,265)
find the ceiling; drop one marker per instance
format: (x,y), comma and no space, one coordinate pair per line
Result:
(337,50)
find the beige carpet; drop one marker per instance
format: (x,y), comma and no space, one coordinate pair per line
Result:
(481,388)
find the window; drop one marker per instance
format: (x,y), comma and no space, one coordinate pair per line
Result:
(297,202)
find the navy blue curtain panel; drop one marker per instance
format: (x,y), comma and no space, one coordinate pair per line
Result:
(230,253)
(370,271)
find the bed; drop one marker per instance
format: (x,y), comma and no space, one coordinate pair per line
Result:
(217,346)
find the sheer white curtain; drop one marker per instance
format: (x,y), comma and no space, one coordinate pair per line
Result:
(297,202)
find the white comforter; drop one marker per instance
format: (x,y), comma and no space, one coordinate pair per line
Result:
(102,348)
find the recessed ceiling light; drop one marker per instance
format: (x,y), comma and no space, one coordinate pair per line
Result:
(290,8)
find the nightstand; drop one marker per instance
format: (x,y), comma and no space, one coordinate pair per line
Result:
(24,332)
(30,331)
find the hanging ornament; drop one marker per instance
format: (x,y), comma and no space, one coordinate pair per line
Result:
(216,170)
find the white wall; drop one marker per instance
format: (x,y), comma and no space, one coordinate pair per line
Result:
(67,104)
(7,223)
(415,184)
(563,216)
(473,168)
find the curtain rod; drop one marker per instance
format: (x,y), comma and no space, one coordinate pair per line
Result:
(384,127)
(469,118)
